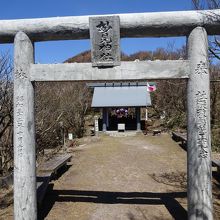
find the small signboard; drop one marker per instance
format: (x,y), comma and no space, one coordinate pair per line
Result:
(121,127)
(70,136)
(105,40)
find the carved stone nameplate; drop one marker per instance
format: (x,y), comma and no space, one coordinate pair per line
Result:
(105,40)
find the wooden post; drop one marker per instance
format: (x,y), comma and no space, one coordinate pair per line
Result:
(198,131)
(25,202)
(107,118)
(96,125)
(104,119)
(146,114)
(138,118)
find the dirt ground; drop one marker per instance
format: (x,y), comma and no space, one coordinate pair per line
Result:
(120,178)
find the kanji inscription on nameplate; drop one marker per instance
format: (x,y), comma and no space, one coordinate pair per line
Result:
(105,40)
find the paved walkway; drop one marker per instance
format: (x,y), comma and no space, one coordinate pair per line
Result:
(121,178)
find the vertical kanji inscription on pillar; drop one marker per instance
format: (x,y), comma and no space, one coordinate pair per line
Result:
(105,40)
(19,123)
(202,126)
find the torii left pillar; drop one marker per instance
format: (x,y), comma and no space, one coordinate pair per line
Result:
(25,198)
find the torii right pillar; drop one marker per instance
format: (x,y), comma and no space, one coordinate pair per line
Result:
(199,184)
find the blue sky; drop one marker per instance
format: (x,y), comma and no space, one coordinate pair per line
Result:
(58,51)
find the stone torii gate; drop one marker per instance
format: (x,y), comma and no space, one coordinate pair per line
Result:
(193,24)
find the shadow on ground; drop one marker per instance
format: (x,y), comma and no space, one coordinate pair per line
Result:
(105,197)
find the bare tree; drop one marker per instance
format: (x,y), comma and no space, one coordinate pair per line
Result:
(6,118)
(215,106)
(170,98)
(60,103)
(75,111)
(214,42)
(203,4)
(48,115)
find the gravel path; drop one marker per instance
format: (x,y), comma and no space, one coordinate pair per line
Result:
(120,178)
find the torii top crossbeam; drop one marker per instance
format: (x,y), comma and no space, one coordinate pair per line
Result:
(156,24)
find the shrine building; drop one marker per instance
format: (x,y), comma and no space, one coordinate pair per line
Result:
(121,104)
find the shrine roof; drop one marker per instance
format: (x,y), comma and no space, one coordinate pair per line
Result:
(121,96)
